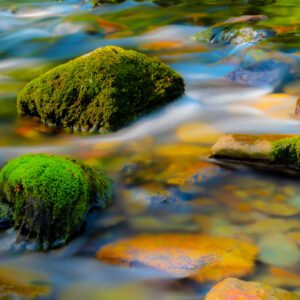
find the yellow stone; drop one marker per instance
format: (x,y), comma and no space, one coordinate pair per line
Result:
(200,257)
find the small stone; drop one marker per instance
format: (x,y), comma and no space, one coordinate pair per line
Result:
(278,250)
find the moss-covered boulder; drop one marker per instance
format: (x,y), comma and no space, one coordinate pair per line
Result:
(50,196)
(100,91)
(236,33)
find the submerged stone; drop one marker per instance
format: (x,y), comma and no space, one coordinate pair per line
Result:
(234,33)
(267,72)
(278,249)
(232,288)
(100,91)
(21,284)
(50,196)
(200,257)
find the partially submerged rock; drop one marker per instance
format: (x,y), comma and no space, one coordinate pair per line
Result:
(242,146)
(100,91)
(234,33)
(279,149)
(50,196)
(200,257)
(232,288)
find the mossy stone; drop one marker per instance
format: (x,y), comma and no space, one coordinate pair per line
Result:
(50,196)
(101,91)
(278,149)
(234,34)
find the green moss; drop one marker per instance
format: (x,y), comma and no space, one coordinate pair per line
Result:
(287,151)
(101,91)
(51,196)
(99,185)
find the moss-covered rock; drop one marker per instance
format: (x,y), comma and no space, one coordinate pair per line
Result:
(278,149)
(50,196)
(234,34)
(244,146)
(101,91)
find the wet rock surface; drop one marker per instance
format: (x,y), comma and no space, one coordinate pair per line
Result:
(202,258)
(232,288)
(263,73)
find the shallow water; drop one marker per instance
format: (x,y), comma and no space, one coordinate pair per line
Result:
(165,181)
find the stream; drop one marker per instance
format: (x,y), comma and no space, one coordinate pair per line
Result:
(164,179)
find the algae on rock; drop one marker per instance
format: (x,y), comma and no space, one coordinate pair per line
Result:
(101,91)
(50,196)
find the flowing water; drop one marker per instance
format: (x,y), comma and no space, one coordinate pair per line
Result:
(165,180)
